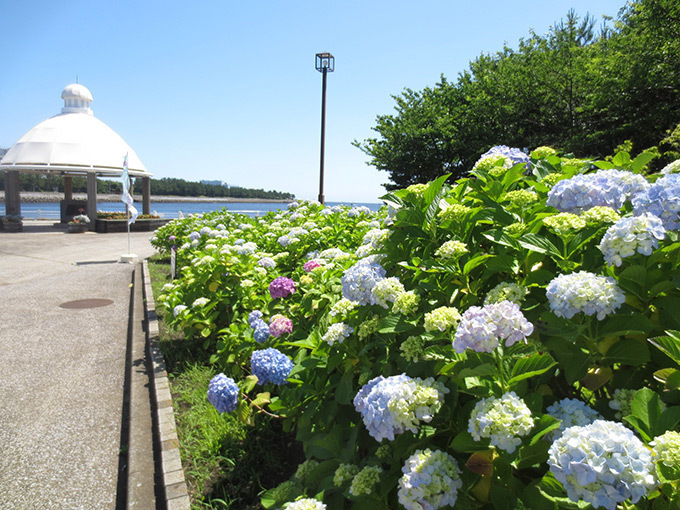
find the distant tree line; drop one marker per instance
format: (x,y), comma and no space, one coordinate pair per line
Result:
(165,186)
(575,89)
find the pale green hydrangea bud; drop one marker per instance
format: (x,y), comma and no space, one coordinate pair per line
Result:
(493,162)
(260,271)
(521,197)
(344,474)
(284,491)
(368,327)
(515,229)
(506,292)
(600,215)
(451,250)
(453,212)
(667,448)
(564,223)
(544,152)
(383,451)
(304,469)
(343,307)
(279,256)
(247,283)
(406,303)
(412,348)
(365,480)
(551,179)
(417,189)
(622,402)
(442,318)
(578,163)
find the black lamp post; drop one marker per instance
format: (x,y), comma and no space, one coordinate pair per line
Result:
(325,63)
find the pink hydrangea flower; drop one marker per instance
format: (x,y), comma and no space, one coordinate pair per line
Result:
(280,325)
(281,287)
(311,265)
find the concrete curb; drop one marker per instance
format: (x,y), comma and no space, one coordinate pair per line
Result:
(173,482)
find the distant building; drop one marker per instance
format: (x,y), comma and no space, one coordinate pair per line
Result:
(216,183)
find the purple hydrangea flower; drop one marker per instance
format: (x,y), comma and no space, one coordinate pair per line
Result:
(223,393)
(482,328)
(281,287)
(513,154)
(270,366)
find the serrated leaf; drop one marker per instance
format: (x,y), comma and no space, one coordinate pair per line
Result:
(634,324)
(475,262)
(479,371)
(463,442)
(532,455)
(531,366)
(249,383)
(628,351)
(669,345)
(539,244)
(261,399)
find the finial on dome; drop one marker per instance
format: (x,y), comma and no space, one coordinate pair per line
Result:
(77,99)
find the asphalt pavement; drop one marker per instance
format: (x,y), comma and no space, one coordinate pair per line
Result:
(65,308)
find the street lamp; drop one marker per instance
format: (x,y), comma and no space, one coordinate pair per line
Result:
(325,63)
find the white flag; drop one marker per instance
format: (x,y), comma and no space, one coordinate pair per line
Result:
(126,198)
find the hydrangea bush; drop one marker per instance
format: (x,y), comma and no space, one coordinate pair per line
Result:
(509,340)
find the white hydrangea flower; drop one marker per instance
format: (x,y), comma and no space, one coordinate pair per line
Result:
(442,318)
(343,307)
(386,291)
(569,294)
(337,333)
(431,480)
(502,420)
(199,302)
(305,504)
(639,234)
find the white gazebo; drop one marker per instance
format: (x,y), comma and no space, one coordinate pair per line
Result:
(73,142)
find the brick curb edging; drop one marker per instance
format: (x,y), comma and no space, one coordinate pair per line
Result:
(172,475)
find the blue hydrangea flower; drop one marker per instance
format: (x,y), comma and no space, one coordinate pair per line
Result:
(628,235)
(602,463)
(266,262)
(392,405)
(270,366)
(223,393)
(261,332)
(569,294)
(512,155)
(253,316)
(482,329)
(358,281)
(609,188)
(194,236)
(571,412)
(662,199)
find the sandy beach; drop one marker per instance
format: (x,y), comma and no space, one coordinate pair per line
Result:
(36,197)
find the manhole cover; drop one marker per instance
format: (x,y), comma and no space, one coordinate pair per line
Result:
(86,303)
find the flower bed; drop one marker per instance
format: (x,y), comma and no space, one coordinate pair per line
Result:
(491,343)
(140,225)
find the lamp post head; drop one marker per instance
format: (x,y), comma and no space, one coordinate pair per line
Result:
(325,62)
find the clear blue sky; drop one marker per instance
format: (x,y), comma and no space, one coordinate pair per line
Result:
(227,90)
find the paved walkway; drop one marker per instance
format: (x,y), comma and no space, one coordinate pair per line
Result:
(63,369)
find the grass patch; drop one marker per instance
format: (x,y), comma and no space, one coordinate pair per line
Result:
(227,464)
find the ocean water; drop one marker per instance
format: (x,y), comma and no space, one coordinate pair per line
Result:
(31,211)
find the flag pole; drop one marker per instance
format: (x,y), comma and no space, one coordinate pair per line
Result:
(130,210)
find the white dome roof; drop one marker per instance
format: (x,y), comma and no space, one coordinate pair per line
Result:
(74,141)
(77,91)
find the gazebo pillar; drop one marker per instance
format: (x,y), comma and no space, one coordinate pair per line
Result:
(12,195)
(92,198)
(146,195)
(68,188)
